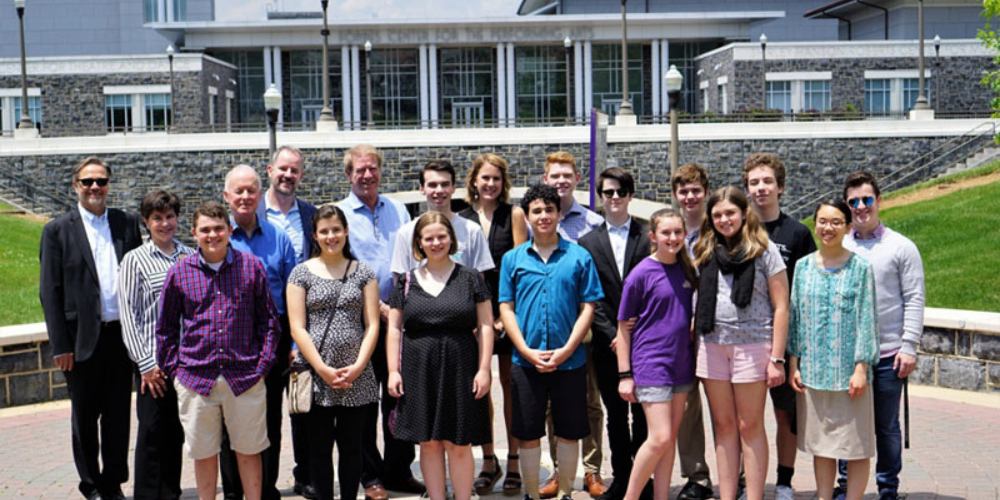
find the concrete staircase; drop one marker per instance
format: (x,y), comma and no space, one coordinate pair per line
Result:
(986,155)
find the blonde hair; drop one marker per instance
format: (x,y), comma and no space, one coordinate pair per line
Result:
(751,240)
(682,256)
(560,157)
(472,193)
(361,151)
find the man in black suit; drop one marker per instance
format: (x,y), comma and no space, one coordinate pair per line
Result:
(80,253)
(616,246)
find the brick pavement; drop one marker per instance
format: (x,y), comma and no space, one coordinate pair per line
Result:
(955,454)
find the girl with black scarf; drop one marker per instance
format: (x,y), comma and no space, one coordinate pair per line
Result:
(742,317)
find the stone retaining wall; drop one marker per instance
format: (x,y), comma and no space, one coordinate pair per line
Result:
(27,373)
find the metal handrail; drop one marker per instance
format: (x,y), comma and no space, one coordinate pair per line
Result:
(28,190)
(985,129)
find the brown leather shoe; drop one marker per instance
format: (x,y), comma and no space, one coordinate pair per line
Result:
(376,492)
(551,487)
(594,484)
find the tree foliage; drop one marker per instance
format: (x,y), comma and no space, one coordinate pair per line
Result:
(991,40)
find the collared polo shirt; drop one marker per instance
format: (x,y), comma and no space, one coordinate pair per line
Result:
(547,295)
(578,221)
(275,251)
(291,224)
(372,234)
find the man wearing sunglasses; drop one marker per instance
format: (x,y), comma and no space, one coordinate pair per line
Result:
(899,280)
(78,287)
(617,246)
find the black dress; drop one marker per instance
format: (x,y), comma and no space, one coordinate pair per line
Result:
(439,361)
(501,240)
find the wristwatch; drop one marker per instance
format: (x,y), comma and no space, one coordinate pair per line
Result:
(779,361)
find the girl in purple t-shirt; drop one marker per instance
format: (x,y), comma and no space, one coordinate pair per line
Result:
(655,349)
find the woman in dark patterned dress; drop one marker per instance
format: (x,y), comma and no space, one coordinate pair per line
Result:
(489,198)
(443,375)
(333,312)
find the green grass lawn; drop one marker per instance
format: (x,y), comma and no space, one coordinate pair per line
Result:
(19,271)
(958,236)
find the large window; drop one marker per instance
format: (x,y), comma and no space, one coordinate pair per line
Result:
(607,74)
(306,78)
(878,95)
(816,95)
(158,111)
(34,110)
(164,10)
(779,96)
(250,76)
(467,82)
(118,113)
(541,82)
(10,108)
(395,86)
(911,90)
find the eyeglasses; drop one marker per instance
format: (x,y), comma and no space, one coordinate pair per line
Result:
(857,202)
(834,223)
(621,192)
(101,181)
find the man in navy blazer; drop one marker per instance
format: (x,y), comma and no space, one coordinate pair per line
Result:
(617,246)
(80,252)
(294,216)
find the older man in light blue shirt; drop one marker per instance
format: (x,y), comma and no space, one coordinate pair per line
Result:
(373,221)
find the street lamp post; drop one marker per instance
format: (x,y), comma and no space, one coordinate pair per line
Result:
(673,81)
(272,104)
(763,71)
(626,107)
(25,122)
(170,60)
(568,45)
(326,114)
(368,80)
(937,69)
(921,103)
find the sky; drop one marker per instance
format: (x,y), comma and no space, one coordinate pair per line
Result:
(256,10)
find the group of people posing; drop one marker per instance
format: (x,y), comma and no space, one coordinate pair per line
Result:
(399,319)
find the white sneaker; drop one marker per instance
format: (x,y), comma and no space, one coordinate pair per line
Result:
(783,492)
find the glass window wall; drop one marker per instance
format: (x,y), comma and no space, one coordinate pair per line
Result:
(466,86)
(307,85)
(395,75)
(250,77)
(607,74)
(541,83)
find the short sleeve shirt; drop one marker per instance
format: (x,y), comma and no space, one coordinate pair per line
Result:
(373,233)
(473,249)
(659,296)
(752,324)
(793,239)
(547,295)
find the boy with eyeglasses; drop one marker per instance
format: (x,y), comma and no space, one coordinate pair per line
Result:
(899,282)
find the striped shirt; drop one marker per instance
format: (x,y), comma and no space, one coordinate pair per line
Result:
(578,221)
(217,322)
(140,280)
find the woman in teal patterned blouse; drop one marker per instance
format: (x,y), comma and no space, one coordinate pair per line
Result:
(833,340)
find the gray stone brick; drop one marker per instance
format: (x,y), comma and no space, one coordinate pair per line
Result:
(18,363)
(3,393)
(924,373)
(963,343)
(994,370)
(28,389)
(59,393)
(986,346)
(961,374)
(46,354)
(938,341)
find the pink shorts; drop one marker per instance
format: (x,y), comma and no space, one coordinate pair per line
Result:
(737,363)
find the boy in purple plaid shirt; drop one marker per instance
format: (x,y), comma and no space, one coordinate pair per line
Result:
(216,339)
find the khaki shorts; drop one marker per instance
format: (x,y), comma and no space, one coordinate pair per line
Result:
(202,417)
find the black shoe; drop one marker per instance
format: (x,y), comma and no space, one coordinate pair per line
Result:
(116,495)
(304,490)
(647,491)
(839,493)
(408,485)
(695,491)
(94,496)
(888,494)
(614,492)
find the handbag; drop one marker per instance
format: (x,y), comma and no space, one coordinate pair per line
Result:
(300,376)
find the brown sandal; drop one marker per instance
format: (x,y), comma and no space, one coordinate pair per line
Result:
(486,481)
(512,483)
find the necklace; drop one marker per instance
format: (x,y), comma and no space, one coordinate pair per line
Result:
(439,277)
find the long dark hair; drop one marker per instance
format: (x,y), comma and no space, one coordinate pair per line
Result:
(325,212)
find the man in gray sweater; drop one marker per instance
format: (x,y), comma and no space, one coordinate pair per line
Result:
(899,285)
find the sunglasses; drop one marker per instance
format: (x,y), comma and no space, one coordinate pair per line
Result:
(101,181)
(609,193)
(864,200)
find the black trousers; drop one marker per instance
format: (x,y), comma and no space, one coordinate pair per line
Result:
(159,443)
(341,425)
(274,383)
(395,466)
(100,393)
(623,439)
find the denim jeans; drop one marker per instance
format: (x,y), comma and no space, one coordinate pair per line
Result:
(888,388)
